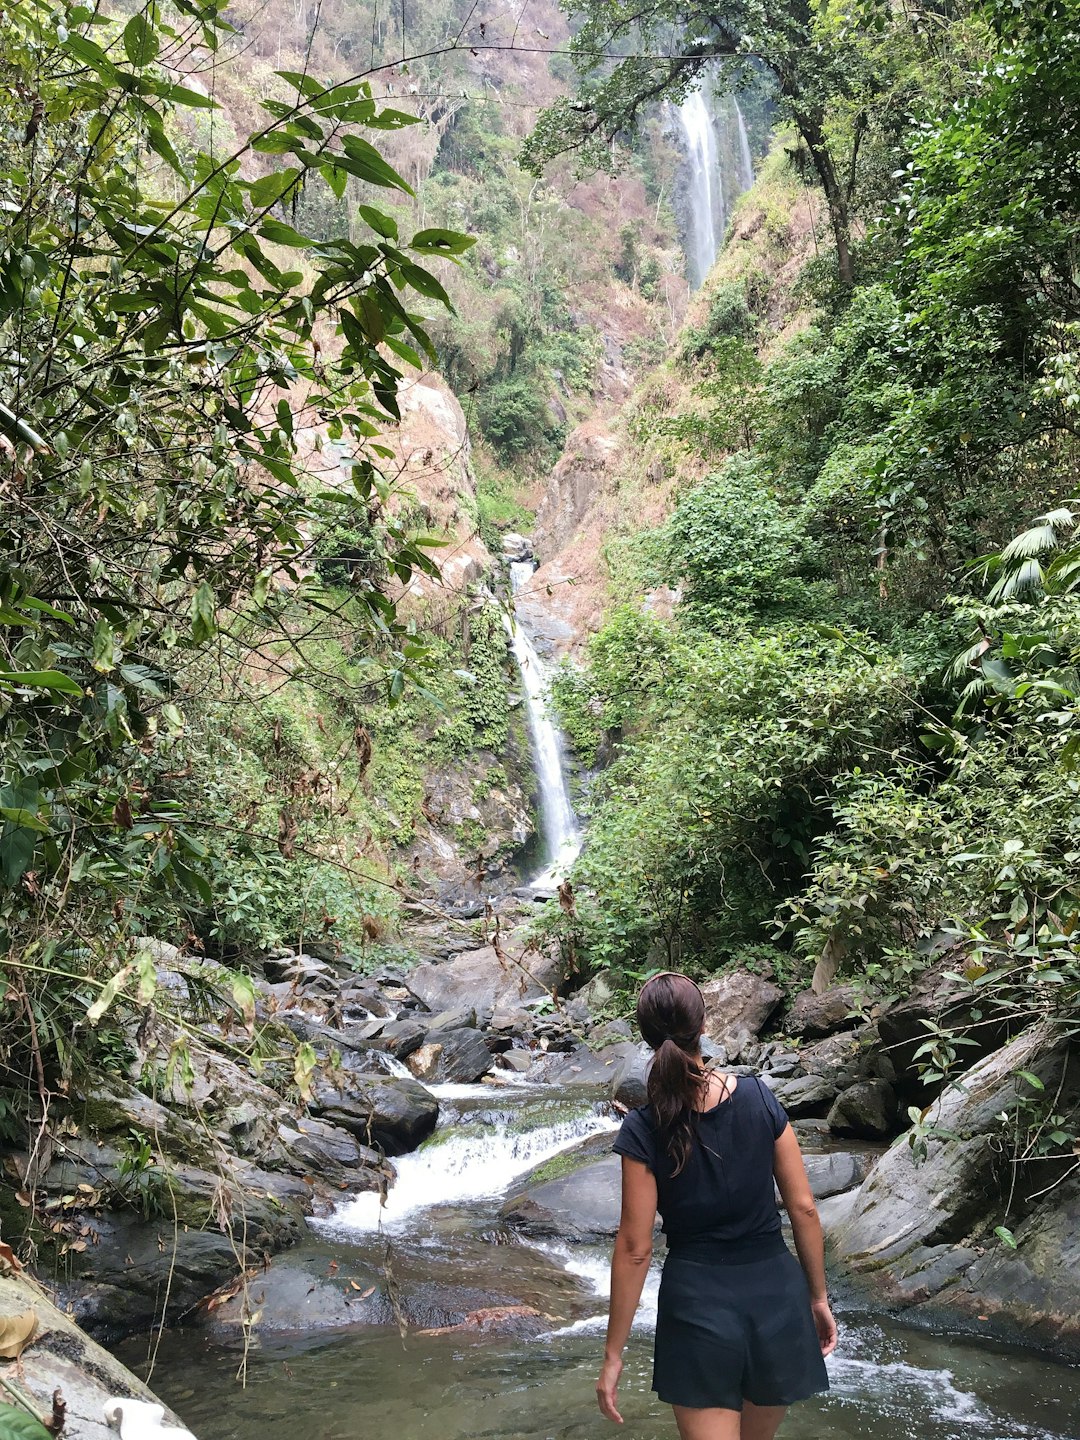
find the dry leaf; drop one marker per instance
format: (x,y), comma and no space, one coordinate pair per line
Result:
(16,1332)
(9,1262)
(368,1293)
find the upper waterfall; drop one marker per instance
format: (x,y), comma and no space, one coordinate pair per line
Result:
(717,167)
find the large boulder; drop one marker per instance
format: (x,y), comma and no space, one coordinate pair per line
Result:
(814,1016)
(921,1233)
(866,1110)
(581,1205)
(938,997)
(396,1114)
(835,1172)
(802,1095)
(737,1007)
(485,979)
(452,1055)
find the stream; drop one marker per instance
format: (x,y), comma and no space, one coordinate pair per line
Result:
(442,1217)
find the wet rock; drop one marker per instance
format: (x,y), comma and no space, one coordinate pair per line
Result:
(63,1357)
(396,1114)
(196,1230)
(802,1095)
(916,1230)
(835,1172)
(401,1037)
(813,1016)
(321,1286)
(484,980)
(866,1110)
(333,1153)
(583,1205)
(737,1006)
(460,1056)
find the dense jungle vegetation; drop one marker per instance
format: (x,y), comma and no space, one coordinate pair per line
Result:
(856,746)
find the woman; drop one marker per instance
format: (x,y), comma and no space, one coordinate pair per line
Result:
(741,1328)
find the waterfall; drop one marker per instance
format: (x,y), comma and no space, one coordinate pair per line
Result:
(461,1167)
(705,192)
(558,825)
(746,160)
(717,167)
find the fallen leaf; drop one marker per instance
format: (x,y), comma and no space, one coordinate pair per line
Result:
(8,1259)
(368,1293)
(16,1332)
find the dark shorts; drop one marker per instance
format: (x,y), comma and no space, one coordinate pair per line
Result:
(728,1332)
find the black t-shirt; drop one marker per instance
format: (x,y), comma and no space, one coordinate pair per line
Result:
(725,1191)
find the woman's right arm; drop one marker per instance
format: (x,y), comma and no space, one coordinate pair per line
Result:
(629,1266)
(790,1175)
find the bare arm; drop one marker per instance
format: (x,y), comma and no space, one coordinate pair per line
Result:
(629,1266)
(790,1175)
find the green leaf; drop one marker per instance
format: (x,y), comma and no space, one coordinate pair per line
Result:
(203,613)
(141,43)
(1005,1236)
(243,994)
(383,224)
(19,1425)
(441,242)
(41,680)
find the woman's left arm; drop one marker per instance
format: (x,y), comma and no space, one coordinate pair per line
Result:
(629,1266)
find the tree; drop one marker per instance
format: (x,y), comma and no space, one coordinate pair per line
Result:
(172,348)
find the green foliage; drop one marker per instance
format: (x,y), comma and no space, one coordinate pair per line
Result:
(162,376)
(737,550)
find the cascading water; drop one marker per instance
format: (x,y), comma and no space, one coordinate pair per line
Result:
(704,192)
(717,167)
(558,825)
(746,160)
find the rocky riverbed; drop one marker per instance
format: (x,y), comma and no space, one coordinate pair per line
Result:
(163,1194)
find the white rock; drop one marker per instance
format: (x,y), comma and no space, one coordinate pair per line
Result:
(141,1420)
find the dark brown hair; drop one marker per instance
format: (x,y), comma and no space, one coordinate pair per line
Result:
(671,1016)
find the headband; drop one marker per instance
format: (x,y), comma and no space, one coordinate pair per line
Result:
(676,975)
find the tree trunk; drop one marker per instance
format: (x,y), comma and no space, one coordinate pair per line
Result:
(810,129)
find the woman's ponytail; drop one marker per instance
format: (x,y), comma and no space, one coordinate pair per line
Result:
(671,1014)
(674,1086)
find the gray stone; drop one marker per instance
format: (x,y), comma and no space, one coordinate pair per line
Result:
(802,1094)
(812,1016)
(300,970)
(460,1056)
(402,1037)
(583,1205)
(866,1110)
(396,1114)
(462,1017)
(629,1080)
(483,980)
(835,1172)
(783,1062)
(334,1153)
(737,1006)
(517,1060)
(908,1215)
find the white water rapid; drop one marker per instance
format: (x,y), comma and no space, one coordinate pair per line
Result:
(463,1166)
(558,825)
(704,192)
